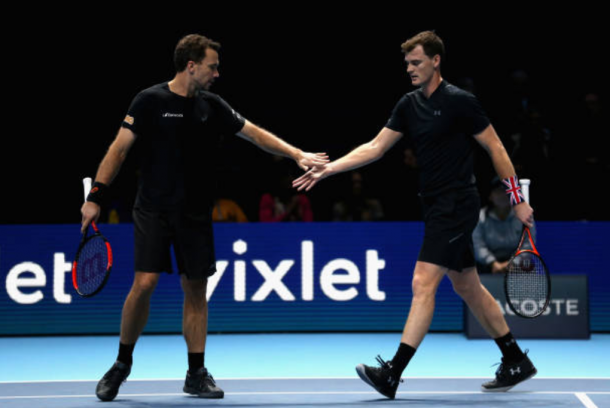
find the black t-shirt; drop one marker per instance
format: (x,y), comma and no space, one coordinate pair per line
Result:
(441,128)
(178,138)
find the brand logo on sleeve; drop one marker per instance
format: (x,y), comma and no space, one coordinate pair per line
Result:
(129,119)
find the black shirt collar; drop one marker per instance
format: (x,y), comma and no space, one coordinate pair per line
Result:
(439,88)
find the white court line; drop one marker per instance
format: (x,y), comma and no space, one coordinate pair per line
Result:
(301,378)
(322,393)
(585,400)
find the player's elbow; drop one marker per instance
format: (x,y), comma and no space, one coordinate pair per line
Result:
(375,151)
(493,146)
(496,148)
(118,152)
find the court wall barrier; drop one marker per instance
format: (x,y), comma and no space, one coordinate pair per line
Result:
(271,278)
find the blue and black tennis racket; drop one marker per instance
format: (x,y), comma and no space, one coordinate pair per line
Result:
(93,261)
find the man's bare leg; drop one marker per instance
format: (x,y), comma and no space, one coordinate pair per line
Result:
(516,366)
(195,329)
(426,279)
(385,379)
(133,320)
(137,306)
(195,314)
(484,307)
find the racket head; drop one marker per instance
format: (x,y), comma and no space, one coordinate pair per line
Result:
(527,284)
(92,263)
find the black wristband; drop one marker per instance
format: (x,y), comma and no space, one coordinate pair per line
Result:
(97,193)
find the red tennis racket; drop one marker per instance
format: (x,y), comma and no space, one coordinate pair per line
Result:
(527,282)
(93,261)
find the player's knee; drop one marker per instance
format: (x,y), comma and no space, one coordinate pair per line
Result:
(466,289)
(194,288)
(460,288)
(145,284)
(422,286)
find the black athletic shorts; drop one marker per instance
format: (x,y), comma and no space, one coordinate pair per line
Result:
(450,219)
(191,235)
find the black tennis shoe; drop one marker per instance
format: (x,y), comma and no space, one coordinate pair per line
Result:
(108,387)
(381,378)
(510,374)
(202,384)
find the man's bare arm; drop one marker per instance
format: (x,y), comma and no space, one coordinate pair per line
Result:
(367,152)
(107,171)
(360,156)
(490,141)
(274,145)
(115,156)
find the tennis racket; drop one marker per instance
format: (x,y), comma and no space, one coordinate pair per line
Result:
(93,260)
(527,283)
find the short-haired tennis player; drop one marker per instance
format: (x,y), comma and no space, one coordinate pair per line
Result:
(178,125)
(443,122)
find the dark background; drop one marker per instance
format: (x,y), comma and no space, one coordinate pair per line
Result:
(322,79)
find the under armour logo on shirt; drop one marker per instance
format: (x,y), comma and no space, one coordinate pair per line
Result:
(437,113)
(513,372)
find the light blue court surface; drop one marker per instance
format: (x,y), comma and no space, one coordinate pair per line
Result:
(269,369)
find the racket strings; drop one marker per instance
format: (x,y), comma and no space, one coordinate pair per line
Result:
(527,284)
(92,265)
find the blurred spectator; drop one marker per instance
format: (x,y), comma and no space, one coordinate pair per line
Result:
(590,155)
(594,130)
(498,232)
(226,210)
(521,92)
(355,205)
(403,203)
(530,147)
(117,212)
(516,103)
(409,159)
(285,204)
(467,84)
(595,141)
(410,202)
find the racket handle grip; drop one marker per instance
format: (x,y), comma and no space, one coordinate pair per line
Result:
(86,186)
(525,188)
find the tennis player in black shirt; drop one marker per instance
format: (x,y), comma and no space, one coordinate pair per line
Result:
(444,123)
(178,125)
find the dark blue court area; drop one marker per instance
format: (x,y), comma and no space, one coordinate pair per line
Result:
(340,392)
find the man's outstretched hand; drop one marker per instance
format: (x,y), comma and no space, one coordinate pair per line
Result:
(307,160)
(311,178)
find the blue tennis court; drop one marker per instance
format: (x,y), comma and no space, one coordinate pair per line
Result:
(301,370)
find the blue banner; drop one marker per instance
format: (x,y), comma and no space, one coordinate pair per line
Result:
(271,278)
